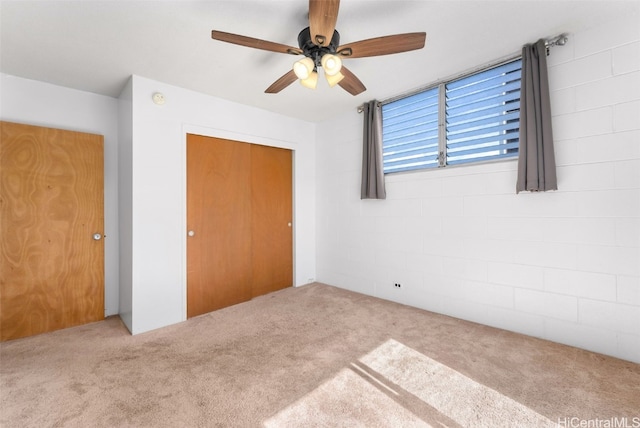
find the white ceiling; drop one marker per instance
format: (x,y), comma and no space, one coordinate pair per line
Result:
(96,45)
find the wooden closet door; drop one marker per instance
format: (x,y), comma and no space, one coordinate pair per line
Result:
(271,219)
(51,202)
(239,210)
(219,218)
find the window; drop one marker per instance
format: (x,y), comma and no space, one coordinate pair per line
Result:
(471,119)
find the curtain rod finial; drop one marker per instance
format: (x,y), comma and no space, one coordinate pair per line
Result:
(560,40)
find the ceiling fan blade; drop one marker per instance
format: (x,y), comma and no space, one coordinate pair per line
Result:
(351,83)
(323,15)
(385,45)
(282,83)
(254,43)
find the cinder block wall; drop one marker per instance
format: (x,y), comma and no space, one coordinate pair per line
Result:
(562,265)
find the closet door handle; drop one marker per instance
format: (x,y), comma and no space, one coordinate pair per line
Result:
(191,233)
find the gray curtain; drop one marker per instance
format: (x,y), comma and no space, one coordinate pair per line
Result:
(536,159)
(372,174)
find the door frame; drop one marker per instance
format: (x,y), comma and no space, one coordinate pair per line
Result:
(244,138)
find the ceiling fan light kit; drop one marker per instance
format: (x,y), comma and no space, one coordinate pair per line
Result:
(303,68)
(333,80)
(310,82)
(317,56)
(321,51)
(331,64)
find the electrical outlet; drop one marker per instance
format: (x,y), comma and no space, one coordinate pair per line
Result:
(397,285)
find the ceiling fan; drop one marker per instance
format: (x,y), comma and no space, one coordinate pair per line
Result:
(320,45)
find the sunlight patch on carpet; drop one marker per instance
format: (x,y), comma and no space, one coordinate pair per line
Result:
(395,385)
(346,400)
(462,399)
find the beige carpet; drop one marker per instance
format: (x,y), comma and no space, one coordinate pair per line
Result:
(310,356)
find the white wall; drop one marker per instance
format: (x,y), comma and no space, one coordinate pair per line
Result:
(157,186)
(560,265)
(125,202)
(43,104)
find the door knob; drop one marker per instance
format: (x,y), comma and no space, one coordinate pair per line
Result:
(97,236)
(191,233)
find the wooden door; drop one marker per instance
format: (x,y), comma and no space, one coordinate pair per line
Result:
(236,193)
(219,217)
(51,202)
(271,214)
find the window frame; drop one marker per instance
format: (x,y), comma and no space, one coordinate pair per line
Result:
(441,160)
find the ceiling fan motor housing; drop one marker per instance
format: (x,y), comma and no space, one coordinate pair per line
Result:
(315,52)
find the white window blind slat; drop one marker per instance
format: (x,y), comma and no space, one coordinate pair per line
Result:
(456,131)
(497,131)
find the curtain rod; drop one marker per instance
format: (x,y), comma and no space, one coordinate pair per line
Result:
(559,40)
